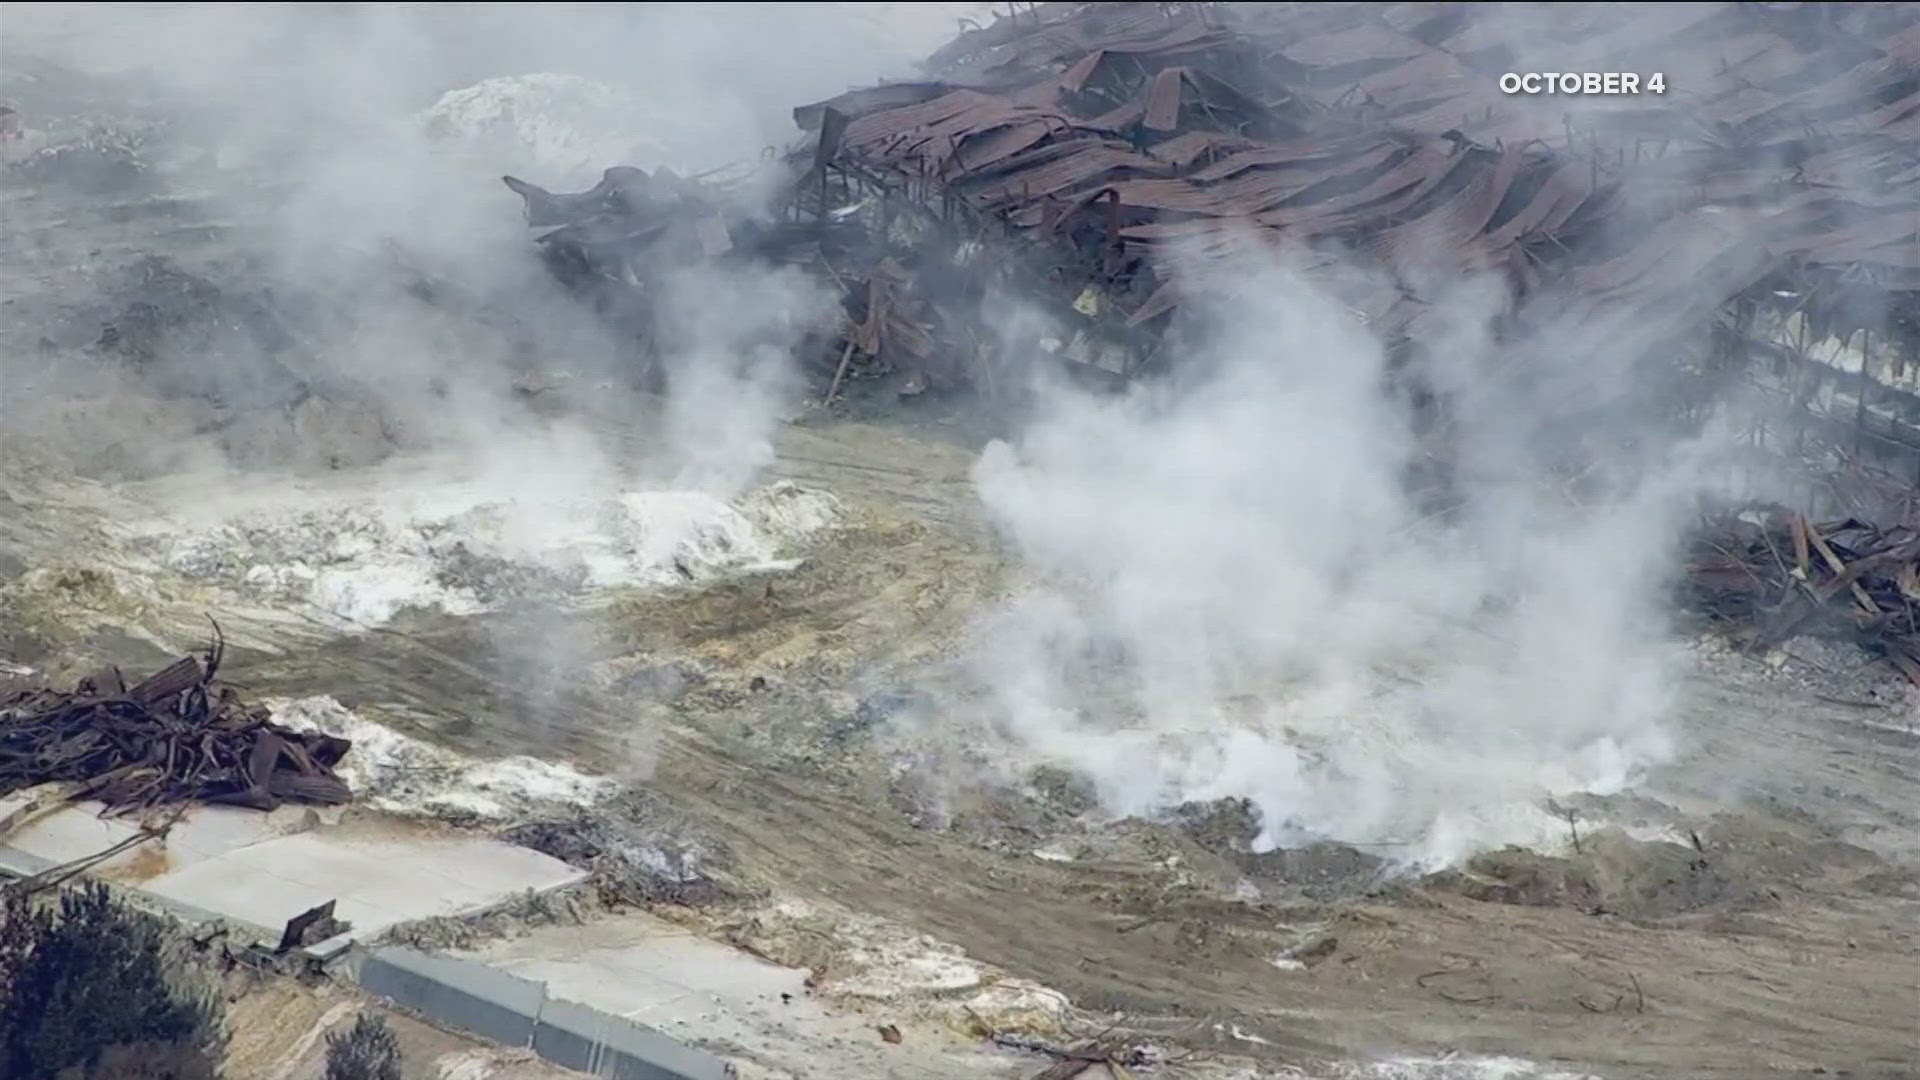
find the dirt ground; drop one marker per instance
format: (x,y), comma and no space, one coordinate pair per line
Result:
(279,1031)
(1749,911)
(1783,944)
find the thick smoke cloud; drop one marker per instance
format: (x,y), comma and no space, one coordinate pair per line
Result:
(370,139)
(1248,585)
(1242,594)
(1240,591)
(351,154)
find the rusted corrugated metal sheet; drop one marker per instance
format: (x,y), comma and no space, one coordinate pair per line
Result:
(1104,150)
(1188,148)
(1384,125)
(1163,100)
(1090,161)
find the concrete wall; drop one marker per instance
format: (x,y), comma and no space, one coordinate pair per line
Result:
(584,1038)
(474,997)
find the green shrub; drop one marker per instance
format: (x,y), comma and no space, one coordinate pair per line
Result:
(147,1061)
(90,978)
(365,1051)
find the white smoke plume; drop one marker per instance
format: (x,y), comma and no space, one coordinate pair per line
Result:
(1239,597)
(1246,588)
(369,139)
(1238,594)
(353,155)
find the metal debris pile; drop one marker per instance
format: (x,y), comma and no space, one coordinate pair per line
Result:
(1136,141)
(640,849)
(1776,575)
(175,737)
(1095,165)
(1085,158)
(1110,1057)
(615,244)
(601,240)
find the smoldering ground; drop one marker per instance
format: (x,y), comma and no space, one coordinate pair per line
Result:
(1249,599)
(370,288)
(1241,592)
(1403,621)
(1241,595)
(1393,622)
(342,326)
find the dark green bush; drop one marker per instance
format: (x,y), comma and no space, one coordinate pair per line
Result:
(365,1051)
(90,975)
(147,1061)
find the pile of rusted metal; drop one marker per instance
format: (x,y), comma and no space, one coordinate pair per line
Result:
(176,737)
(1095,161)
(1135,141)
(628,224)
(1076,182)
(1775,575)
(617,244)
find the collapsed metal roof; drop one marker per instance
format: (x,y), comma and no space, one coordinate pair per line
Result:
(1788,135)
(1093,162)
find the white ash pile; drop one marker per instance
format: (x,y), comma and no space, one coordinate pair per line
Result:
(365,560)
(397,774)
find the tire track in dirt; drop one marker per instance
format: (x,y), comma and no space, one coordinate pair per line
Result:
(1822,970)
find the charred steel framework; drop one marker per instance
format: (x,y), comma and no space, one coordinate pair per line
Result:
(1082,157)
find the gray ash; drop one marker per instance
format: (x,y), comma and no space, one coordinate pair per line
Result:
(640,851)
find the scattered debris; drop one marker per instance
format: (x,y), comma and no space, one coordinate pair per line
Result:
(568,906)
(101,159)
(311,927)
(1775,575)
(175,737)
(640,851)
(1115,1057)
(1083,157)
(366,562)
(394,773)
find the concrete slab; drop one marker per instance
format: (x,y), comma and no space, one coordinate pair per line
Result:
(650,971)
(643,968)
(709,995)
(208,831)
(260,870)
(376,882)
(77,831)
(74,833)
(471,996)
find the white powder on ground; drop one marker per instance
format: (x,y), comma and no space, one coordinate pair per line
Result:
(1443,1067)
(563,129)
(398,774)
(364,561)
(1464,1068)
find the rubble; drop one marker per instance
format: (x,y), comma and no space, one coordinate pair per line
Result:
(98,159)
(640,851)
(1774,575)
(1098,163)
(1113,1056)
(176,737)
(1078,156)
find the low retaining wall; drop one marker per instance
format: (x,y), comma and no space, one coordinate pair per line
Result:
(474,997)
